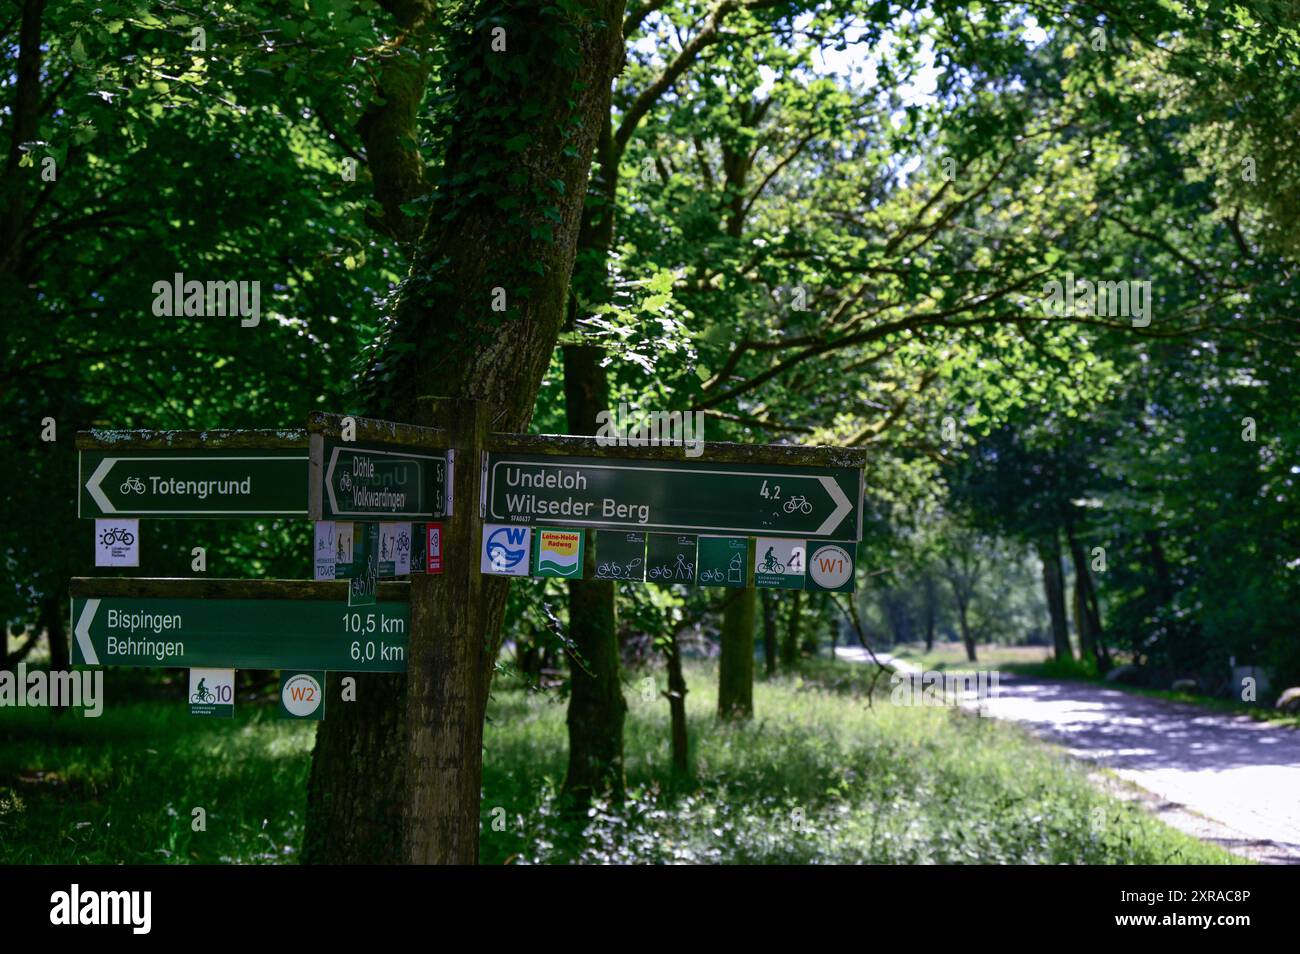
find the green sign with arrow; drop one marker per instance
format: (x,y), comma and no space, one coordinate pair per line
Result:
(216,482)
(675,496)
(378,481)
(292,634)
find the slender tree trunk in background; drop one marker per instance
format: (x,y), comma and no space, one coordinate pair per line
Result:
(596,705)
(1163,592)
(790,646)
(736,667)
(1093,609)
(1049,552)
(443,336)
(597,708)
(1164,578)
(769,633)
(56,634)
(931,610)
(966,637)
(528,656)
(677,708)
(1084,621)
(808,646)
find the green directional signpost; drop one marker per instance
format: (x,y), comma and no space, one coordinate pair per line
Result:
(194,482)
(377,482)
(297,634)
(677,496)
(661,515)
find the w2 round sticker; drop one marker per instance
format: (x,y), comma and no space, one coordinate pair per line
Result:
(302,695)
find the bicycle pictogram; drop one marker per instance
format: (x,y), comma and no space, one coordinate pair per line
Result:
(132,485)
(802,504)
(114,535)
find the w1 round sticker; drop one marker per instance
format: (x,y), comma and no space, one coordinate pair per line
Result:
(830,567)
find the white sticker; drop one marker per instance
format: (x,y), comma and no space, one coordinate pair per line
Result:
(506,549)
(394,549)
(402,555)
(831,566)
(212,692)
(779,562)
(326,549)
(342,545)
(117,542)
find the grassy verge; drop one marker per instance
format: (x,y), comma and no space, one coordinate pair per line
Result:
(952,656)
(818,776)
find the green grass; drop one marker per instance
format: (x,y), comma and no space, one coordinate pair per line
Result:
(950,656)
(123,787)
(817,777)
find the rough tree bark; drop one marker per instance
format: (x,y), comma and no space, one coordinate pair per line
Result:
(390,126)
(489,228)
(736,666)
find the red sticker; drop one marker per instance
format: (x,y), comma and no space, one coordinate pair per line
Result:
(433,557)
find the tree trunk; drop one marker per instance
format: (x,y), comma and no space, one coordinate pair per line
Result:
(931,611)
(736,667)
(1049,552)
(790,646)
(808,645)
(677,709)
(383,759)
(56,635)
(966,636)
(1088,626)
(769,633)
(596,704)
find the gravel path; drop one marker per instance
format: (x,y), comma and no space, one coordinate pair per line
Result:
(1224,778)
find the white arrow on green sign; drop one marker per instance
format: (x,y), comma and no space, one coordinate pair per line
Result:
(240,634)
(376,480)
(675,496)
(194,483)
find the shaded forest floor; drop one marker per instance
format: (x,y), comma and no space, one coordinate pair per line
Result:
(818,776)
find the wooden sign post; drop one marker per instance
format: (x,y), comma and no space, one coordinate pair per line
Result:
(444,466)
